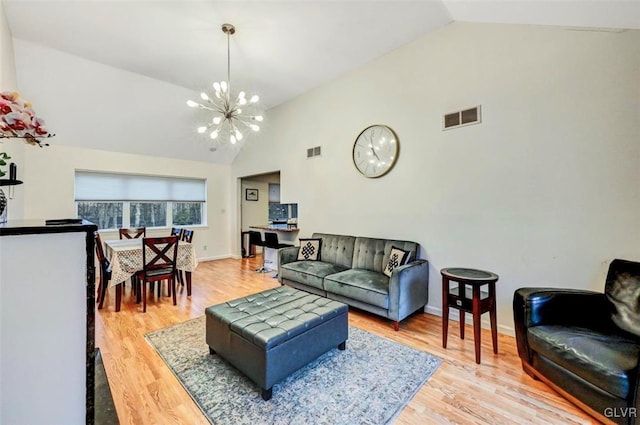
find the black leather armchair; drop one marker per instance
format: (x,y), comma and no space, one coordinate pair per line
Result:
(585,344)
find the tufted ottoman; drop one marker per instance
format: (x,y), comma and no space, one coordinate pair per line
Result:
(271,334)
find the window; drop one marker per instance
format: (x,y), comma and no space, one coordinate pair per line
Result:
(112,201)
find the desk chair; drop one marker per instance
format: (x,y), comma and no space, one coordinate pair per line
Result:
(255,239)
(271,241)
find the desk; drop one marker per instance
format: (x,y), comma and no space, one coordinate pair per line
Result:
(286,235)
(125,256)
(473,301)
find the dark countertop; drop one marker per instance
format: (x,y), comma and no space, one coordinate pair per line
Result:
(276,227)
(39,226)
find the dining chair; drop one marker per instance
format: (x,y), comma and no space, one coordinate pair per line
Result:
(187,236)
(133,233)
(177,231)
(159,257)
(105,276)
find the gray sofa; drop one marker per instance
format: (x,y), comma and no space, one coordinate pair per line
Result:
(350,270)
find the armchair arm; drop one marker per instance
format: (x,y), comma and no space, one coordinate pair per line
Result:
(553,306)
(408,289)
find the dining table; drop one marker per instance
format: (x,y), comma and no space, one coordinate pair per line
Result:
(125,256)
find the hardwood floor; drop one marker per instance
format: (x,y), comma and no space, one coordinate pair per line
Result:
(460,392)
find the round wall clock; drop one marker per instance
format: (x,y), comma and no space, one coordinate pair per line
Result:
(375,151)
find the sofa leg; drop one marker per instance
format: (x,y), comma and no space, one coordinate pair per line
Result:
(266,394)
(396,326)
(342,345)
(211,351)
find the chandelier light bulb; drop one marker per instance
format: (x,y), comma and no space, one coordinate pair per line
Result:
(227,120)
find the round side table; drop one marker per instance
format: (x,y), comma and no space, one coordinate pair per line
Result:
(469,300)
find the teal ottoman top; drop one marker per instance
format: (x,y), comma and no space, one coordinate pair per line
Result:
(274,316)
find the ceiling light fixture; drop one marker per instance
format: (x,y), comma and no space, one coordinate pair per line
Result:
(230,112)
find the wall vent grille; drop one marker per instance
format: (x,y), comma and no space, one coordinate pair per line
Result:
(311,152)
(461,118)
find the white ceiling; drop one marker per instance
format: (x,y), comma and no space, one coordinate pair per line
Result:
(281,48)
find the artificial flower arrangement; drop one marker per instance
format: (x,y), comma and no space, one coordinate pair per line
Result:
(17,119)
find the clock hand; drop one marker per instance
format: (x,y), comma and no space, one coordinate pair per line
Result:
(371,147)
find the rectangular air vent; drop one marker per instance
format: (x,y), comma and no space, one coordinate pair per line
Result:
(311,152)
(461,118)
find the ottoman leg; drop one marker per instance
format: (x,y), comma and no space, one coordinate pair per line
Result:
(266,394)
(211,351)
(343,345)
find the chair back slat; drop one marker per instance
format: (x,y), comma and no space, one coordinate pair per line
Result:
(187,235)
(160,253)
(133,233)
(177,231)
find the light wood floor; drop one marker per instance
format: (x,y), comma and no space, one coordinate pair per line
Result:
(459,392)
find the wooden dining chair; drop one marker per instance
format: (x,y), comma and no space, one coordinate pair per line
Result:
(187,236)
(159,263)
(105,276)
(133,233)
(177,231)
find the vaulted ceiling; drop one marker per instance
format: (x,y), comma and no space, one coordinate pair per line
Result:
(281,48)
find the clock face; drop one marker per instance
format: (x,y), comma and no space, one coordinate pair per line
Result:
(375,151)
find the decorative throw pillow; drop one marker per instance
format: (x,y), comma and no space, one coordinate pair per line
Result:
(309,249)
(398,257)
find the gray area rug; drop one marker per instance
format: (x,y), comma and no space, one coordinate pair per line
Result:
(368,383)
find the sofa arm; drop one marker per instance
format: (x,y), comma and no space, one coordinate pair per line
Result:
(553,306)
(286,255)
(408,289)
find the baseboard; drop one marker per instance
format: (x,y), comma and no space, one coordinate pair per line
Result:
(454,315)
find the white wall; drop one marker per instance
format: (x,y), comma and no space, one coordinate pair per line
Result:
(91,105)
(544,192)
(14,148)
(255,213)
(49,188)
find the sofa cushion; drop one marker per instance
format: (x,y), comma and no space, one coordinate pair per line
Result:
(362,285)
(373,254)
(606,361)
(309,273)
(397,257)
(336,249)
(309,249)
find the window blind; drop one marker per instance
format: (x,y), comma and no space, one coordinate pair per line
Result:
(93,186)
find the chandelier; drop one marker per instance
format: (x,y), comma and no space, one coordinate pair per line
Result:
(231,114)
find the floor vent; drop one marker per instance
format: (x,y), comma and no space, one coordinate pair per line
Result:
(311,152)
(461,118)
